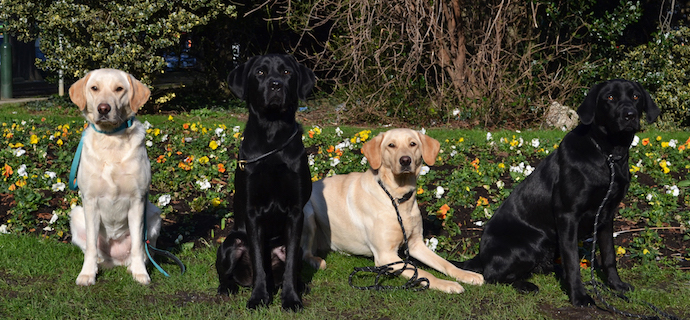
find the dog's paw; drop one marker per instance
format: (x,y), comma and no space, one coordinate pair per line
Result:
(621,286)
(472,278)
(142,278)
(256,302)
(582,300)
(447,286)
(86,279)
(293,305)
(316,262)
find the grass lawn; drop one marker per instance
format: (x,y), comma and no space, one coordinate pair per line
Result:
(193,159)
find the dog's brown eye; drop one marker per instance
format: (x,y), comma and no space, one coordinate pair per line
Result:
(94,88)
(391,145)
(635,97)
(286,72)
(260,72)
(610,98)
(412,144)
(118,89)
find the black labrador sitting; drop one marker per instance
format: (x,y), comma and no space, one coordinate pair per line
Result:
(555,206)
(272,184)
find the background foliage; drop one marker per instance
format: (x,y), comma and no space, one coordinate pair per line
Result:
(489,63)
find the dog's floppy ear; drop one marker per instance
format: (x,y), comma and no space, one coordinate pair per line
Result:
(589,105)
(307,79)
(237,78)
(650,108)
(77,90)
(140,93)
(430,148)
(372,150)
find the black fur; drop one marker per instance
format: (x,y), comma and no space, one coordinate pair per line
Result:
(555,206)
(263,250)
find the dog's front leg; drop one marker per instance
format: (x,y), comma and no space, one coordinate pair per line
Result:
(421,252)
(608,258)
(262,289)
(135,218)
(567,241)
(292,286)
(89,269)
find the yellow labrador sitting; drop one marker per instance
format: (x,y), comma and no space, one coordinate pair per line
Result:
(351,213)
(114,176)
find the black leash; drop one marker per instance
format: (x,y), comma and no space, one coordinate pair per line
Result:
(597,284)
(242,163)
(414,283)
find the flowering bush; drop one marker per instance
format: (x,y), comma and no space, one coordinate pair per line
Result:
(193,168)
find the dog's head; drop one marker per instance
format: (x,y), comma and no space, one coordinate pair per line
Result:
(108,97)
(617,105)
(272,83)
(401,151)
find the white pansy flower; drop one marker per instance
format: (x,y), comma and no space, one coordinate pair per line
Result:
(18,152)
(164,200)
(364,161)
(338,132)
(218,131)
(203,184)
(50,174)
(431,243)
(489,136)
(635,141)
(424,170)
(58,187)
(22,171)
(334,162)
(149,143)
(439,192)
(164,138)
(3,229)
(673,143)
(535,143)
(672,190)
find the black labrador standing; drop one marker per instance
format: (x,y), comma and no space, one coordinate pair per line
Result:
(556,205)
(272,184)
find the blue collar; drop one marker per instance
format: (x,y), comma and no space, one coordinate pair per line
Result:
(77,155)
(123,126)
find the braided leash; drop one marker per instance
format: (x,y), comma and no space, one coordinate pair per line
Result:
(597,284)
(414,283)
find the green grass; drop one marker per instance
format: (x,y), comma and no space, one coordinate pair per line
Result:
(37,282)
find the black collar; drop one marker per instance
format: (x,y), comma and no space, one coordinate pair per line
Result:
(242,163)
(400,200)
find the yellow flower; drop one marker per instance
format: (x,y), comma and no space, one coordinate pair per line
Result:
(634,169)
(501,165)
(461,140)
(645,251)
(59,142)
(620,251)
(156,131)
(213,144)
(236,135)
(420,190)
(215,202)
(33,139)
(20,183)
(482,201)
(658,138)
(315,178)
(203,160)
(170,118)
(194,128)
(17,145)
(664,144)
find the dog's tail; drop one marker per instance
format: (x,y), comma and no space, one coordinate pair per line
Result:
(474,264)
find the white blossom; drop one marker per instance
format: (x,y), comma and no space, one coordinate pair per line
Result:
(672,190)
(18,152)
(53,218)
(338,132)
(424,170)
(3,229)
(58,187)
(203,184)
(50,174)
(164,200)
(439,192)
(22,171)
(673,143)
(218,131)
(635,141)
(334,162)
(535,143)
(431,243)
(149,143)
(489,136)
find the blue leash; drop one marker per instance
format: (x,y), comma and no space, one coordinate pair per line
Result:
(74,186)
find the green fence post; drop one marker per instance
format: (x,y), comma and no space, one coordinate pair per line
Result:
(6,68)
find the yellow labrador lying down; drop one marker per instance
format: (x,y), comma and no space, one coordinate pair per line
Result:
(352,213)
(114,176)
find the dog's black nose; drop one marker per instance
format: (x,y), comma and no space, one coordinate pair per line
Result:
(405,160)
(103,108)
(629,115)
(276,85)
